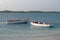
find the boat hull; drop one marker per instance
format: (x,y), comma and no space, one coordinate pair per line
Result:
(41,25)
(16,21)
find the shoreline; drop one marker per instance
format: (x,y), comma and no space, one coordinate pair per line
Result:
(6,11)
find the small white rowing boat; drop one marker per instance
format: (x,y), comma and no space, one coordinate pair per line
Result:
(40,24)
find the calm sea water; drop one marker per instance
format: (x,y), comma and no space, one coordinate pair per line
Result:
(28,32)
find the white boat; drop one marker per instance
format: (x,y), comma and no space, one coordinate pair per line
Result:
(40,24)
(21,21)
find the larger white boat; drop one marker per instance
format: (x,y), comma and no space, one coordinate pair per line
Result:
(16,21)
(40,24)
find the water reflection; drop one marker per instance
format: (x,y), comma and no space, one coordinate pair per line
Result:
(38,28)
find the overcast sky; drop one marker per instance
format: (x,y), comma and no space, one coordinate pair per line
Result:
(30,5)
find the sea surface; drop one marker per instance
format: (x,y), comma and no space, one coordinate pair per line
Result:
(27,31)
